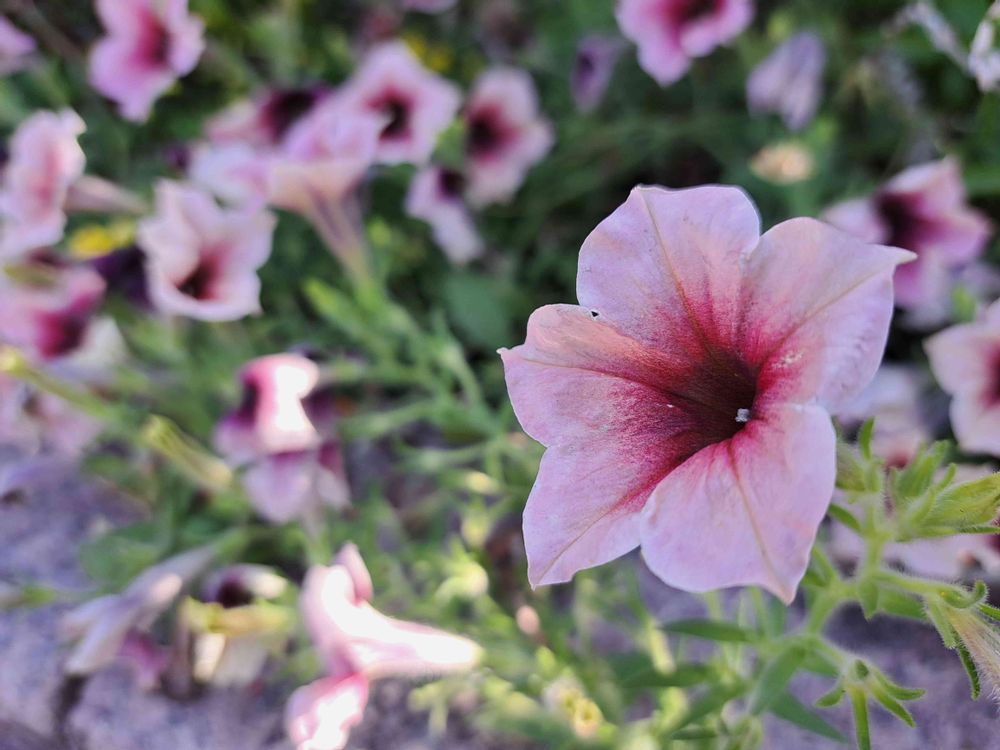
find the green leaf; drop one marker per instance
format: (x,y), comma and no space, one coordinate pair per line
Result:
(832,698)
(775,676)
(711,702)
(478,306)
(868,595)
(711,630)
(944,628)
(853,473)
(898,691)
(683,675)
(865,438)
(893,602)
(844,517)
(916,479)
(990,611)
(967,504)
(890,704)
(859,708)
(786,707)
(970,670)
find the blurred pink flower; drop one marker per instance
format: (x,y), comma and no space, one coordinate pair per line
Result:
(237,173)
(895,399)
(266,119)
(320,716)
(282,435)
(39,422)
(48,315)
(149,45)
(318,170)
(45,160)
(923,209)
(15,48)
(413,105)
(202,260)
(669,33)
(596,57)
(685,403)
(357,643)
(965,360)
(788,82)
(101,626)
(271,417)
(505,134)
(436,195)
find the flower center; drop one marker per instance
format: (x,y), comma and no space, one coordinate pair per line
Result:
(687,11)
(451,183)
(902,222)
(397,111)
(284,108)
(232,594)
(484,134)
(62,334)
(200,281)
(713,402)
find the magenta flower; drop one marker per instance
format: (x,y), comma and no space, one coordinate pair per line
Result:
(924,210)
(670,33)
(266,119)
(282,435)
(357,643)
(36,421)
(414,106)
(505,134)
(436,195)
(49,314)
(149,45)
(788,82)
(202,260)
(965,360)
(685,403)
(596,57)
(16,48)
(45,160)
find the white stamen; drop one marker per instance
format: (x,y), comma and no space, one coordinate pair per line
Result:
(743,416)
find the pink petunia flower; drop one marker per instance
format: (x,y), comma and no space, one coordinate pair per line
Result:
(596,57)
(101,626)
(505,135)
(965,360)
(266,119)
(357,643)
(685,403)
(16,48)
(924,210)
(202,260)
(282,435)
(788,82)
(45,160)
(414,106)
(37,422)
(436,196)
(670,33)
(149,45)
(48,314)
(237,173)
(317,173)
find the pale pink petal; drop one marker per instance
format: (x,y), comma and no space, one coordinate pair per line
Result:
(745,511)
(350,559)
(15,47)
(644,22)
(665,266)
(860,218)
(320,716)
(429,198)
(817,305)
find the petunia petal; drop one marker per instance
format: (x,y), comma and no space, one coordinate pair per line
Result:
(816,305)
(665,266)
(745,511)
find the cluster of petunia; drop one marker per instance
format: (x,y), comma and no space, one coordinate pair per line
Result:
(686,404)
